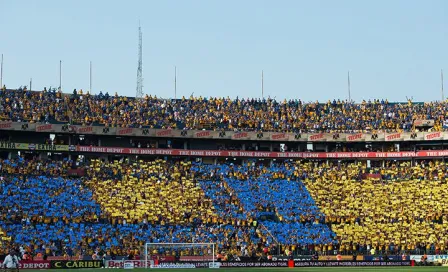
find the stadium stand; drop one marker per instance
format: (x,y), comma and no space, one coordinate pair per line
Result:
(403,209)
(250,207)
(264,192)
(20,166)
(216,113)
(157,191)
(391,212)
(52,214)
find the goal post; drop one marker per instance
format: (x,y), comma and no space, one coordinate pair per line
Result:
(179,252)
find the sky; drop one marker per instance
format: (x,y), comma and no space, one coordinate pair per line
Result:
(393,48)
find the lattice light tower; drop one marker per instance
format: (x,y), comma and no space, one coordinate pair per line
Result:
(139,93)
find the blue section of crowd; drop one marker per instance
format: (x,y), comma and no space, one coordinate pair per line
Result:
(297,233)
(272,190)
(106,236)
(222,200)
(54,197)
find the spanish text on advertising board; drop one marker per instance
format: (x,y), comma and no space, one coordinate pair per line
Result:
(348,264)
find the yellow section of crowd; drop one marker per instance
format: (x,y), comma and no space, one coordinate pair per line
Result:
(4,238)
(154,191)
(218,113)
(382,212)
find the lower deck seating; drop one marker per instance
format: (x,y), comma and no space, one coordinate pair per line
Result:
(120,206)
(255,191)
(156,191)
(390,214)
(85,238)
(46,199)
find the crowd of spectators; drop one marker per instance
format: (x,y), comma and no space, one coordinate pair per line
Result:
(157,192)
(54,215)
(388,170)
(260,188)
(404,207)
(270,194)
(388,206)
(317,206)
(85,239)
(217,113)
(42,199)
(35,167)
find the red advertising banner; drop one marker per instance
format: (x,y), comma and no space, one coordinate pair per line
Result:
(203,134)
(6,125)
(86,130)
(45,128)
(258,154)
(394,137)
(316,137)
(240,135)
(164,133)
(125,131)
(355,137)
(434,136)
(279,136)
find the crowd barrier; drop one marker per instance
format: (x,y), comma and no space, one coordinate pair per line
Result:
(225,154)
(380,136)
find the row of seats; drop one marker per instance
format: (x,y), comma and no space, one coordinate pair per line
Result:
(217,113)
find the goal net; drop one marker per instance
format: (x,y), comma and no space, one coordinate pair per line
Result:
(180,254)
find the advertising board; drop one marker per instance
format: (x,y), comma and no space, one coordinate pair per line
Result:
(285,264)
(350,264)
(76,264)
(381,258)
(121,263)
(33,264)
(277,258)
(254,264)
(431,258)
(128,265)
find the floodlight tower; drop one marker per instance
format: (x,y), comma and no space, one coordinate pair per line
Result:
(139,93)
